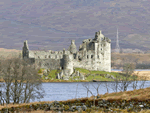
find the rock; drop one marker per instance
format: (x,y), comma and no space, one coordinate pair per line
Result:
(79,110)
(52,107)
(58,76)
(46,78)
(47,109)
(77,107)
(61,74)
(72,108)
(84,108)
(77,73)
(141,106)
(56,102)
(66,78)
(76,79)
(109,76)
(48,70)
(60,68)
(74,74)
(45,72)
(82,78)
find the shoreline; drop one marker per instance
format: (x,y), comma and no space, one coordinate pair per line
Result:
(109,99)
(140,74)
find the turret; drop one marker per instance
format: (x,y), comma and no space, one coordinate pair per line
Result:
(25,50)
(72,47)
(67,64)
(98,35)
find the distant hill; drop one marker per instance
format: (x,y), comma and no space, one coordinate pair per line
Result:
(52,24)
(9,53)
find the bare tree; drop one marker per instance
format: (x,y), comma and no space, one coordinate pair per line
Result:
(107,86)
(143,79)
(22,82)
(88,90)
(123,80)
(98,84)
(115,85)
(134,81)
(1,95)
(128,69)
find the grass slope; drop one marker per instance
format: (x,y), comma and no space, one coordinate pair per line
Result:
(89,76)
(140,94)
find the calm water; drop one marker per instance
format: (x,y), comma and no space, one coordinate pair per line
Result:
(64,91)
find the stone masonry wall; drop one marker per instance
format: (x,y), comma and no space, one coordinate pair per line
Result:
(93,54)
(49,63)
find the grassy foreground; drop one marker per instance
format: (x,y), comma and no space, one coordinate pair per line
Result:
(135,97)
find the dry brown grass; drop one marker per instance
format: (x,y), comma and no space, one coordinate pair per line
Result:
(141,94)
(141,57)
(118,58)
(22,104)
(42,111)
(9,53)
(141,74)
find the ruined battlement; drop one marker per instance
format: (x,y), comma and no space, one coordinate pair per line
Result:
(93,54)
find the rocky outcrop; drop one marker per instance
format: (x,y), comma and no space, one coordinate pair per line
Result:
(77,74)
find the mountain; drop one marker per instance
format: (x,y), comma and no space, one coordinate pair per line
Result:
(52,24)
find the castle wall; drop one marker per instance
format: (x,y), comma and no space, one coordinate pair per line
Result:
(92,55)
(49,63)
(107,57)
(46,55)
(68,64)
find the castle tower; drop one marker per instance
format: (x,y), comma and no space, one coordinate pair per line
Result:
(25,50)
(95,66)
(107,55)
(98,35)
(117,49)
(72,48)
(67,63)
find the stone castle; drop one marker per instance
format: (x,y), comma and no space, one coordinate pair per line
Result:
(93,54)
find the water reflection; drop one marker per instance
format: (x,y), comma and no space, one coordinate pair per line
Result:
(64,91)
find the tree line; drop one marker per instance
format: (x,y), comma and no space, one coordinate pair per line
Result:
(21,81)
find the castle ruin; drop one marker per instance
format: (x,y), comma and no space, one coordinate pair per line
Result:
(93,54)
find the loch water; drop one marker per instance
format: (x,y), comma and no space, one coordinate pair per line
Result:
(65,91)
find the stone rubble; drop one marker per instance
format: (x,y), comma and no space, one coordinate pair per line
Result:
(105,105)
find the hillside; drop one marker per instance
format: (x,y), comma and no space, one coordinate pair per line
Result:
(9,53)
(52,24)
